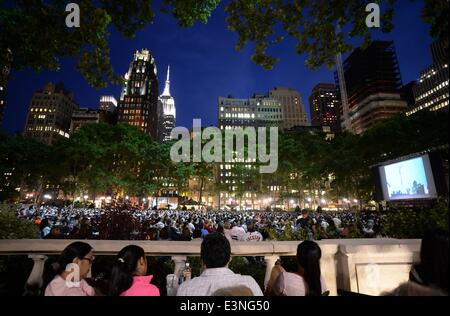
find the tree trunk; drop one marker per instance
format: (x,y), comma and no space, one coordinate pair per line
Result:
(219,199)
(201,191)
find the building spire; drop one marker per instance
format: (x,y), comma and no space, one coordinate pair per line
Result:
(167,87)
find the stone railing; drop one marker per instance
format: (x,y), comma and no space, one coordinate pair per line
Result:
(366,266)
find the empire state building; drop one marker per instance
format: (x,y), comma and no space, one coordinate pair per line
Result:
(166,112)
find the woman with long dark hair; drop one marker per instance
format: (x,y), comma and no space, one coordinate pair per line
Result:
(66,276)
(129,274)
(433,269)
(307,281)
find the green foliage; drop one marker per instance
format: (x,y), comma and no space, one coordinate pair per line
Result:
(11,227)
(26,159)
(257,270)
(88,44)
(189,11)
(414,223)
(311,24)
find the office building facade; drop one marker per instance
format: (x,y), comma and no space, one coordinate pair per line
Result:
(50,114)
(82,117)
(324,106)
(139,97)
(373,83)
(292,108)
(431,91)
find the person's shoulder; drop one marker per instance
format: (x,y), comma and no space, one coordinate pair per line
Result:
(145,290)
(184,288)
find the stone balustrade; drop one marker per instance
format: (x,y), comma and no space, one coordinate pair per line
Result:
(366,266)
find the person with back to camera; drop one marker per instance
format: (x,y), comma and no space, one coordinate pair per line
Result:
(129,274)
(433,269)
(215,255)
(307,281)
(430,276)
(63,279)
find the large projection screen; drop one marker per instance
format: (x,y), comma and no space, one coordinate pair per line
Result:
(408,180)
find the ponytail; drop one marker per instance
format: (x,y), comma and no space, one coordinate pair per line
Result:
(124,268)
(308,256)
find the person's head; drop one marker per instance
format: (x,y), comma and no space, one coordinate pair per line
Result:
(305,213)
(220,229)
(77,253)
(215,251)
(414,289)
(227,225)
(44,223)
(434,259)
(186,232)
(308,257)
(130,262)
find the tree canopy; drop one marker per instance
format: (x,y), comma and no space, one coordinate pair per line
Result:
(121,160)
(312,24)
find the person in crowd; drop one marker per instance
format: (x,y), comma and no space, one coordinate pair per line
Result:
(252,234)
(197,234)
(237,232)
(66,276)
(433,269)
(208,226)
(186,232)
(307,281)
(215,254)
(220,229)
(129,274)
(227,230)
(45,228)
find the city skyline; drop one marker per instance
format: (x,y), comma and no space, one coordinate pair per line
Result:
(199,81)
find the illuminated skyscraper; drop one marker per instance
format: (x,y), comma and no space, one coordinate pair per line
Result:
(166,112)
(139,98)
(324,106)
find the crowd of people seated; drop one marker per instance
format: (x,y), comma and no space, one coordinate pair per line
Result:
(129,277)
(126,223)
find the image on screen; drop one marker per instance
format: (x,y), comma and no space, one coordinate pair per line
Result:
(409,179)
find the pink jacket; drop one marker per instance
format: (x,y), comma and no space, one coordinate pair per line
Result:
(59,287)
(142,287)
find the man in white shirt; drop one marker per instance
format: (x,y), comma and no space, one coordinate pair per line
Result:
(237,232)
(215,254)
(252,234)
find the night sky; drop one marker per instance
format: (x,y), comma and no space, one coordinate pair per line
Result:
(205,65)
